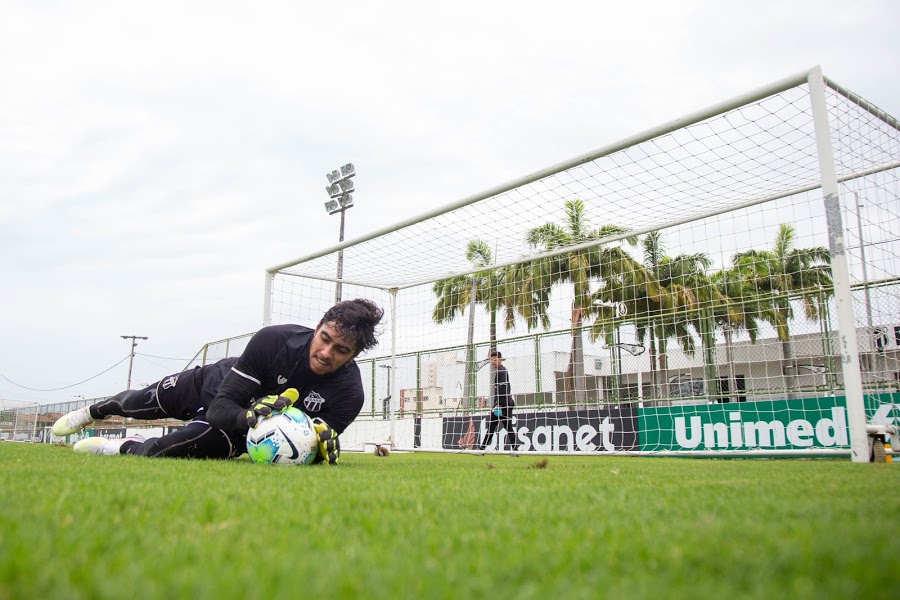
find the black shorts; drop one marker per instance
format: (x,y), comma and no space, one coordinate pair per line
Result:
(187,395)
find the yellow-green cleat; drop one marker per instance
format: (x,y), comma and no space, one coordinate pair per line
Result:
(101,445)
(72,422)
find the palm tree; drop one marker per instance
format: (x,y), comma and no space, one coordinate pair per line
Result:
(595,265)
(455,294)
(667,315)
(687,301)
(508,290)
(785,272)
(646,330)
(741,310)
(495,289)
(635,291)
(525,295)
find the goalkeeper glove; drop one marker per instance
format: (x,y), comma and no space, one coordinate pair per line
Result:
(264,407)
(329,444)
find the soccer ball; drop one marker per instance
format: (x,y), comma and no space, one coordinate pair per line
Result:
(287,438)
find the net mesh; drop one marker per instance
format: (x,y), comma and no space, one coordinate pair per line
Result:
(673,293)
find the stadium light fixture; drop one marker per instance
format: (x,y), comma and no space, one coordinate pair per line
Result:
(816,369)
(339,189)
(632,349)
(620,308)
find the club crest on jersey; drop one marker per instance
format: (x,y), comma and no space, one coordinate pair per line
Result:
(281,380)
(313,402)
(170,382)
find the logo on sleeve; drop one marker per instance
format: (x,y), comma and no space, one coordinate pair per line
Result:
(282,380)
(170,382)
(313,402)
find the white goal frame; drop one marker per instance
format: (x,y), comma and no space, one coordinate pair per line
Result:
(315,273)
(18,420)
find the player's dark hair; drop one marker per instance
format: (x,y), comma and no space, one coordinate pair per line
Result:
(356,321)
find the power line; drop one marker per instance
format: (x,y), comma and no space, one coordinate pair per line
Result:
(31,389)
(144,358)
(159,357)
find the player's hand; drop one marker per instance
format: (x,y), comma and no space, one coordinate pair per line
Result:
(264,407)
(329,444)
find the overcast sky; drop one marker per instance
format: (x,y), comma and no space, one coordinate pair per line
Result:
(157,157)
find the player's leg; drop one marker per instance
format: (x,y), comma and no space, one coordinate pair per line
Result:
(139,404)
(174,397)
(197,439)
(509,439)
(493,421)
(102,445)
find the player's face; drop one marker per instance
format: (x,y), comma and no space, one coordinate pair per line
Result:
(495,361)
(329,351)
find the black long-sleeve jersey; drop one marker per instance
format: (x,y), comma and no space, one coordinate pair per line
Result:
(502,393)
(277,358)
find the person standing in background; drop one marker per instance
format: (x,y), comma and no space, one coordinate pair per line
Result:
(501,406)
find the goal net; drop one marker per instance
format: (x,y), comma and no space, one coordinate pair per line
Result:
(724,283)
(19,421)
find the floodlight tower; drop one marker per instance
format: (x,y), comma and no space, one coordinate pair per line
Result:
(339,187)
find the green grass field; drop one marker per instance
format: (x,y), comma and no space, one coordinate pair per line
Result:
(445,526)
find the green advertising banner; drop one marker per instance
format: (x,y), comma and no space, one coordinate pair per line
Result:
(797,424)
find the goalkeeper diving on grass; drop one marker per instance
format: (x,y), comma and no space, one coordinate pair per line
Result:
(282,365)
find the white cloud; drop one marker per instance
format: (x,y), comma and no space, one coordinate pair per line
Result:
(157,157)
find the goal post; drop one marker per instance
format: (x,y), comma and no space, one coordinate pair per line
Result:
(856,415)
(19,420)
(727,283)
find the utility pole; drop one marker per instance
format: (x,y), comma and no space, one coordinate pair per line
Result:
(134,339)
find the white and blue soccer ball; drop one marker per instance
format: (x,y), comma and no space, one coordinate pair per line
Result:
(287,438)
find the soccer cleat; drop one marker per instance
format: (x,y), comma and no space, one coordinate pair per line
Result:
(73,422)
(101,445)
